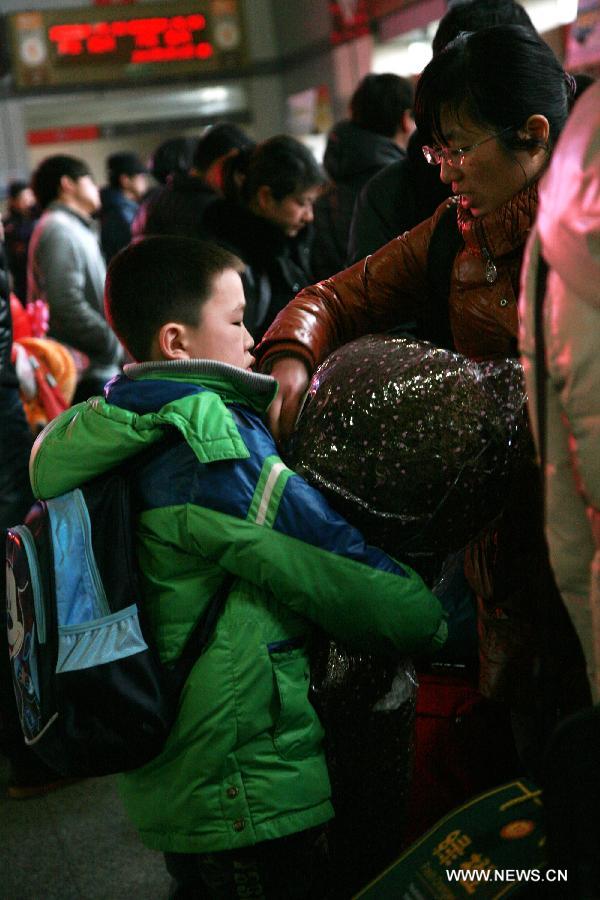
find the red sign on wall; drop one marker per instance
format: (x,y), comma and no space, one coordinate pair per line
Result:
(62,135)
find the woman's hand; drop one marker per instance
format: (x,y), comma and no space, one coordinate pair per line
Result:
(292,375)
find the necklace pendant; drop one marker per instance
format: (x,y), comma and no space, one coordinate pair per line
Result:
(491,272)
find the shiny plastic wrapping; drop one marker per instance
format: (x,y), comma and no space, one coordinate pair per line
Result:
(413,444)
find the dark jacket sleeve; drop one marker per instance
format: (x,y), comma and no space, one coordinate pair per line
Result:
(384,209)
(115,233)
(333,213)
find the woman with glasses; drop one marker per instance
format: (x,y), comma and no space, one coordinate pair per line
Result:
(493,104)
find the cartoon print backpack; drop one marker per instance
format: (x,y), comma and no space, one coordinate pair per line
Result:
(92,695)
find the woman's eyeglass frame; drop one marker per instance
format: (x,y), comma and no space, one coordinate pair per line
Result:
(436,155)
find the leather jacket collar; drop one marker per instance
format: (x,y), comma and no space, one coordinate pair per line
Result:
(503,230)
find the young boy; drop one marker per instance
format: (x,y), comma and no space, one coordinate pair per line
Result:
(239,797)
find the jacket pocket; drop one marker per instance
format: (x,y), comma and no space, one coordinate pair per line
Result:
(298,731)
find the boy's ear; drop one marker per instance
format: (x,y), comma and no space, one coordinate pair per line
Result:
(171,341)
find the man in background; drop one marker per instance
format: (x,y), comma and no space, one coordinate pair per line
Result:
(18,228)
(66,268)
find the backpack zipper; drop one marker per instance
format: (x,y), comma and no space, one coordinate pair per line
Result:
(30,549)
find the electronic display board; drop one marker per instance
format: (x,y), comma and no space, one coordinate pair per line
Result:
(90,45)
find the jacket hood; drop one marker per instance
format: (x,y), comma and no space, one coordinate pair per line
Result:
(352,150)
(192,397)
(569,215)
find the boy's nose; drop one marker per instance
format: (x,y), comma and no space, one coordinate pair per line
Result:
(248,340)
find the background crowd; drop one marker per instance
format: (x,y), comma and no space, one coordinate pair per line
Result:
(371,242)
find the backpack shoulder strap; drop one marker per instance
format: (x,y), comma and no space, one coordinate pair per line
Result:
(446,240)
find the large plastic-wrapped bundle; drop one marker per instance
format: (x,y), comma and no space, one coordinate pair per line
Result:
(414,444)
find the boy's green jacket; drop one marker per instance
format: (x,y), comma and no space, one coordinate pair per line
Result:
(244,762)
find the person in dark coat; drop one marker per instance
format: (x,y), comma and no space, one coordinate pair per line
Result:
(375,135)
(179,208)
(19,223)
(409,191)
(265,219)
(172,157)
(395,200)
(128,182)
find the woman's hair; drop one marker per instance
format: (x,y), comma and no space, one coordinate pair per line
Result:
(473,15)
(498,77)
(235,168)
(174,155)
(283,164)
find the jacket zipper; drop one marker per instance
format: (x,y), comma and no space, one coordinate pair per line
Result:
(491,272)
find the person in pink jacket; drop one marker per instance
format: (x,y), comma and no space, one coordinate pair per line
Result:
(566,415)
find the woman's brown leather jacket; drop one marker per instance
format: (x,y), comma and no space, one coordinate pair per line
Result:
(508,569)
(389,287)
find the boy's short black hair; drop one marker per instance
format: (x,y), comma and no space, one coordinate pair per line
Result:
(158,279)
(46,178)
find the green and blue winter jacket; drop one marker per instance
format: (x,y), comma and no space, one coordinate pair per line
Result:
(244,762)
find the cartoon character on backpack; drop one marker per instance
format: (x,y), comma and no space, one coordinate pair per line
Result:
(20,644)
(15,627)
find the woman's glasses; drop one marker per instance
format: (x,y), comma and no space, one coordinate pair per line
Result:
(436,155)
